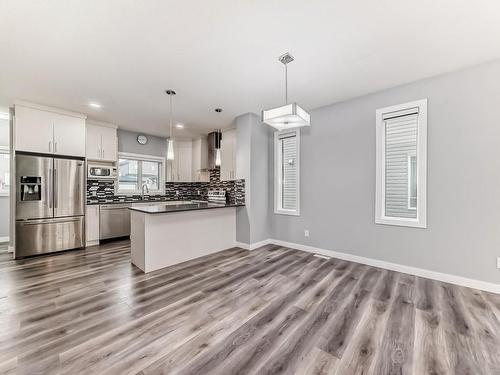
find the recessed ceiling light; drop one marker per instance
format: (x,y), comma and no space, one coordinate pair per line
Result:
(179,126)
(95,105)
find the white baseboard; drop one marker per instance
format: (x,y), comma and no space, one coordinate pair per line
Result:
(254,245)
(447,278)
(10,249)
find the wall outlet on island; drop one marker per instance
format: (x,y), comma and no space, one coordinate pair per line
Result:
(498,262)
(306,233)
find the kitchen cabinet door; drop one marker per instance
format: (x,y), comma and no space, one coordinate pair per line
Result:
(93,142)
(185,161)
(69,135)
(108,144)
(92,225)
(33,130)
(228,154)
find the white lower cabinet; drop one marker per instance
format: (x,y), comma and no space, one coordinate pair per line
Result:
(92,225)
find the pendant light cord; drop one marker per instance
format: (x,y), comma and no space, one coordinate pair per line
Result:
(286,83)
(170,116)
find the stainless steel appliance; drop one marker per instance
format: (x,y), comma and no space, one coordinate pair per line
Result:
(217,196)
(50,204)
(101,172)
(214,140)
(114,221)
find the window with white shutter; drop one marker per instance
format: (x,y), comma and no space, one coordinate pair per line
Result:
(401,165)
(286,171)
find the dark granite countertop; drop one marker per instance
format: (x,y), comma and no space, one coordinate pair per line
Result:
(163,208)
(159,201)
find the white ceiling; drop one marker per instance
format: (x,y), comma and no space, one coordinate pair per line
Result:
(223,53)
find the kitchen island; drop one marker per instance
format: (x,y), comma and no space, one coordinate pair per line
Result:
(166,234)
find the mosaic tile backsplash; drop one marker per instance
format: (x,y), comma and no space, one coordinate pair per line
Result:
(100,191)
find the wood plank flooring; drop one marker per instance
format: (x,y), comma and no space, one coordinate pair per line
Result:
(269,311)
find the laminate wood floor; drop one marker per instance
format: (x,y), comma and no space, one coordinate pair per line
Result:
(269,311)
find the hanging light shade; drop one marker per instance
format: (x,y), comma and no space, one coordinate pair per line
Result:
(170,141)
(170,149)
(288,116)
(217,157)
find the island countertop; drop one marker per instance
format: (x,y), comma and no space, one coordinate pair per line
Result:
(193,206)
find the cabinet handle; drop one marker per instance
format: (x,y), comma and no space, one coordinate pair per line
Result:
(55,146)
(103,153)
(50,146)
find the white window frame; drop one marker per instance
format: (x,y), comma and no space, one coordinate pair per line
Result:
(4,150)
(421,220)
(278,178)
(140,157)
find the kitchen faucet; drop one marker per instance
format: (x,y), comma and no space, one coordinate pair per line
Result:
(142,190)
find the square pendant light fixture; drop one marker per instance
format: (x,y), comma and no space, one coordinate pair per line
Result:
(288,116)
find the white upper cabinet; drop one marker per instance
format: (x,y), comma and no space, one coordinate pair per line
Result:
(33,130)
(44,130)
(93,142)
(69,136)
(109,144)
(101,142)
(180,169)
(228,155)
(200,160)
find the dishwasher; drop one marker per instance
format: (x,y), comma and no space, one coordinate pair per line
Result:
(114,221)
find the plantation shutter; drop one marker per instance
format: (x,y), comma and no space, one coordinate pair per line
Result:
(400,163)
(289,183)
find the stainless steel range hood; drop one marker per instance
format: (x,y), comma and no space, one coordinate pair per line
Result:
(214,139)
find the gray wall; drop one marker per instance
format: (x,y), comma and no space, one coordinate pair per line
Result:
(261,151)
(127,142)
(254,222)
(4,201)
(463,206)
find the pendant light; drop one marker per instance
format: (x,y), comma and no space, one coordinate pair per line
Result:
(217,151)
(288,116)
(170,141)
(217,144)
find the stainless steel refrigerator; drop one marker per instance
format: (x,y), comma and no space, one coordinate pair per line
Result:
(50,204)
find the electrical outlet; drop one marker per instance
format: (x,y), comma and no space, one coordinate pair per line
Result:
(498,262)
(306,233)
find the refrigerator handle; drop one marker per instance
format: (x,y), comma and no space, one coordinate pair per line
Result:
(49,188)
(55,188)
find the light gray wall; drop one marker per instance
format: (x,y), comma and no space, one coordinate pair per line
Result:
(463,207)
(127,142)
(260,219)
(243,171)
(253,222)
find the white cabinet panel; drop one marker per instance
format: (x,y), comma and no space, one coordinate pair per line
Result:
(93,142)
(101,143)
(108,144)
(200,160)
(69,135)
(92,225)
(44,131)
(228,155)
(33,130)
(185,161)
